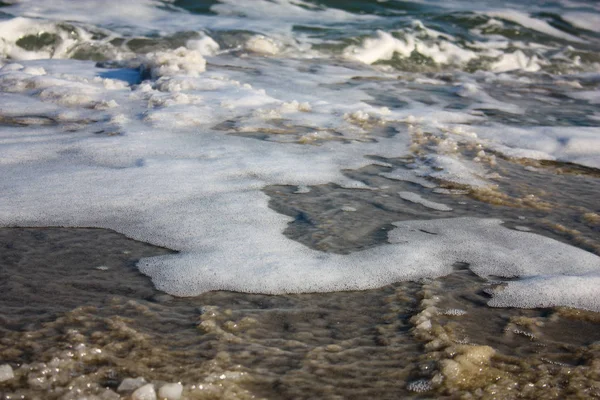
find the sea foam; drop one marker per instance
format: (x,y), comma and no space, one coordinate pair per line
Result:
(163,167)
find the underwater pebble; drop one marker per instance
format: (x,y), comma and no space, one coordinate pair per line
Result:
(146,392)
(170,391)
(129,384)
(6,373)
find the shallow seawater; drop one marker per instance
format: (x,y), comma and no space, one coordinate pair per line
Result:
(288,199)
(96,321)
(78,317)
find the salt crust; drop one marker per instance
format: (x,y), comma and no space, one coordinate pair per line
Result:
(198,190)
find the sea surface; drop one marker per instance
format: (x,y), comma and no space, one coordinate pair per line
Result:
(288,199)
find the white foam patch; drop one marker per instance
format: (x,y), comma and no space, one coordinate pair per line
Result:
(12,30)
(161,168)
(517,60)
(384,46)
(181,61)
(417,249)
(579,145)
(206,45)
(262,45)
(416,198)
(577,291)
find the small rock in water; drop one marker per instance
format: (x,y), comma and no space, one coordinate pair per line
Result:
(107,395)
(130,384)
(170,391)
(6,372)
(146,392)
